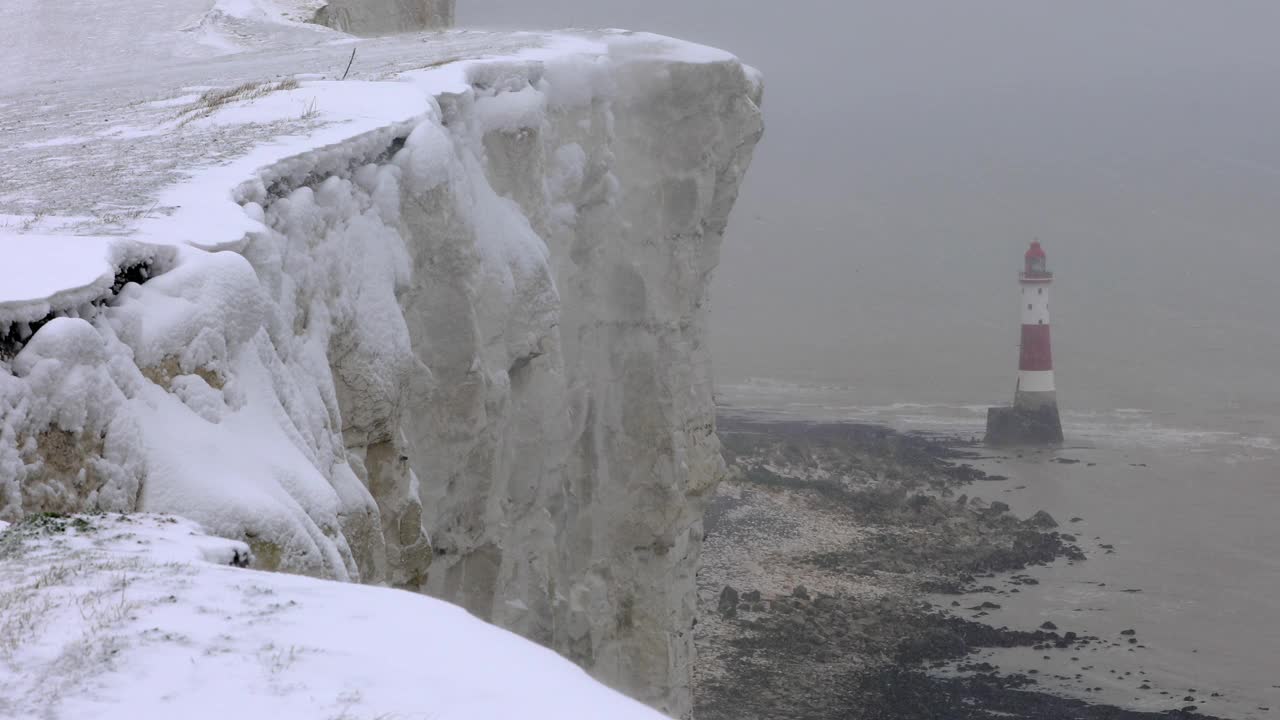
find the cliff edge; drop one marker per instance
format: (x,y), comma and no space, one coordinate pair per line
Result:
(440,325)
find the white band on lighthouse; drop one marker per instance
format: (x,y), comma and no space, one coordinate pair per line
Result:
(1035,381)
(1035,304)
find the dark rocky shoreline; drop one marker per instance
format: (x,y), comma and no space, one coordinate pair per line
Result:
(823,551)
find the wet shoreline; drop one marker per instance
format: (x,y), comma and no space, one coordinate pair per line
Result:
(826,553)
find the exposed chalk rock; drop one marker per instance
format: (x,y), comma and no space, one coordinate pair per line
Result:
(385,17)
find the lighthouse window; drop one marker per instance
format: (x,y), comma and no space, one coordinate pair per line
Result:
(1028,306)
(1039,291)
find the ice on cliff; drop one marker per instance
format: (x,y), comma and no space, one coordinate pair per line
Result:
(439,326)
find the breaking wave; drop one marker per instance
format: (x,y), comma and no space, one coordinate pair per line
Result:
(1118,427)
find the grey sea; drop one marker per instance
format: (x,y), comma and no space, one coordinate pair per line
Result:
(1178,521)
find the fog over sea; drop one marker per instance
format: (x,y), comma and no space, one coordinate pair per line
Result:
(914,149)
(912,152)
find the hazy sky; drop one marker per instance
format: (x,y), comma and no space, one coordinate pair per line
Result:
(914,148)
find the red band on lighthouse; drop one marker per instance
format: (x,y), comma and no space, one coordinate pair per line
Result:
(1036,354)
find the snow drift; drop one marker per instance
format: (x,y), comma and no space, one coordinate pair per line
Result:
(124,617)
(443,329)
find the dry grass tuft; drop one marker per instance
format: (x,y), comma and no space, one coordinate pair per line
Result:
(212,100)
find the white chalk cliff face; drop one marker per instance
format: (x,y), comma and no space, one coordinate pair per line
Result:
(462,350)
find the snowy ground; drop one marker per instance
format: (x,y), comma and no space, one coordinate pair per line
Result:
(144,616)
(138,119)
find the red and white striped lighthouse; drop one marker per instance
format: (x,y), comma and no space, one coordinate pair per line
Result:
(1035,361)
(1033,419)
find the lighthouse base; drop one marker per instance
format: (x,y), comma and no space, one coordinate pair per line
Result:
(1024,424)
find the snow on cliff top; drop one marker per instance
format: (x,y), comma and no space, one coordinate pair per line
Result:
(112,616)
(131,120)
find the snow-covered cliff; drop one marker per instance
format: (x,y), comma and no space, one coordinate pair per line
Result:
(441,325)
